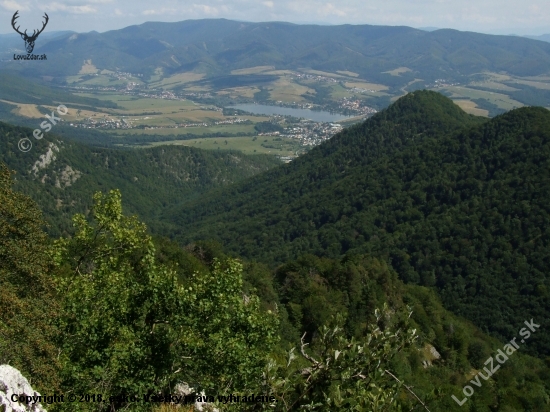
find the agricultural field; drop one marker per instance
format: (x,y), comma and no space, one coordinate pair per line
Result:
(279,72)
(102,81)
(236,92)
(245,144)
(321,73)
(24,110)
(471,107)
(536,84)
(150,111)
(398,71)
(253,70)
(288,91)
(185,106)
(506,83)
(501,100)
(494,86)
(142,103)
(230,129)
(178,79)
(339,92)
(366,86)
(346,73)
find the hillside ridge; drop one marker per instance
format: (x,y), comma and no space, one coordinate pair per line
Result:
(461,209)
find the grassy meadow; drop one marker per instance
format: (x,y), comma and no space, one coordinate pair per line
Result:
(245,144)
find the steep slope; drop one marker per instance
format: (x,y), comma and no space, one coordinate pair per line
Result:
(448,201)
(450,350)
(61,175)
(345,156)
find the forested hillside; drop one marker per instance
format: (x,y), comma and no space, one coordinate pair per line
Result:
(61,175)
(217,46)
(113,311)
(368,241)
(448,200)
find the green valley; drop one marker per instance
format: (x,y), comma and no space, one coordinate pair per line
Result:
(61,175)
(181,85)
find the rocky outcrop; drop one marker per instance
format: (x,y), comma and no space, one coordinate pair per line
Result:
(46,159)
(67,177)
(183,389)
(12,384)
(430,355)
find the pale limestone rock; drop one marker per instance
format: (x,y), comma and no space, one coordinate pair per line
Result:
(431,354)
(183,389)
(12,382)
(45,159)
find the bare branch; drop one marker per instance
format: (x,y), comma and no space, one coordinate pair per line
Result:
(408,388)
(304,354)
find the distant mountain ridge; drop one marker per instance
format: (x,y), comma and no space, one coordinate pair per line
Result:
(217,46)
(11,41)
(429,28)
(543,37)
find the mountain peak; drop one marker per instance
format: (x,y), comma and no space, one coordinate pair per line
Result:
(425,111)
(428,103)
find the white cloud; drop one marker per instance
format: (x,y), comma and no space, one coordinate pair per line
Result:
(11,5)
(329,10)
(207,10)
(153,12)
(85,9)
(473,15)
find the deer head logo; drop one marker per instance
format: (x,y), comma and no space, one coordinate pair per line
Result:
(29,40)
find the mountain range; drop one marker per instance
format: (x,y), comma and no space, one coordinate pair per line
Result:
(217,46)
(542,37)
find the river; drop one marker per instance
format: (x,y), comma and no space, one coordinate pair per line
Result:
(289,111)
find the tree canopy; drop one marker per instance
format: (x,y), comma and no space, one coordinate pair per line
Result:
(28,306)
(449,200)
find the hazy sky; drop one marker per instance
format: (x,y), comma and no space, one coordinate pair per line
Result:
(486,16)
